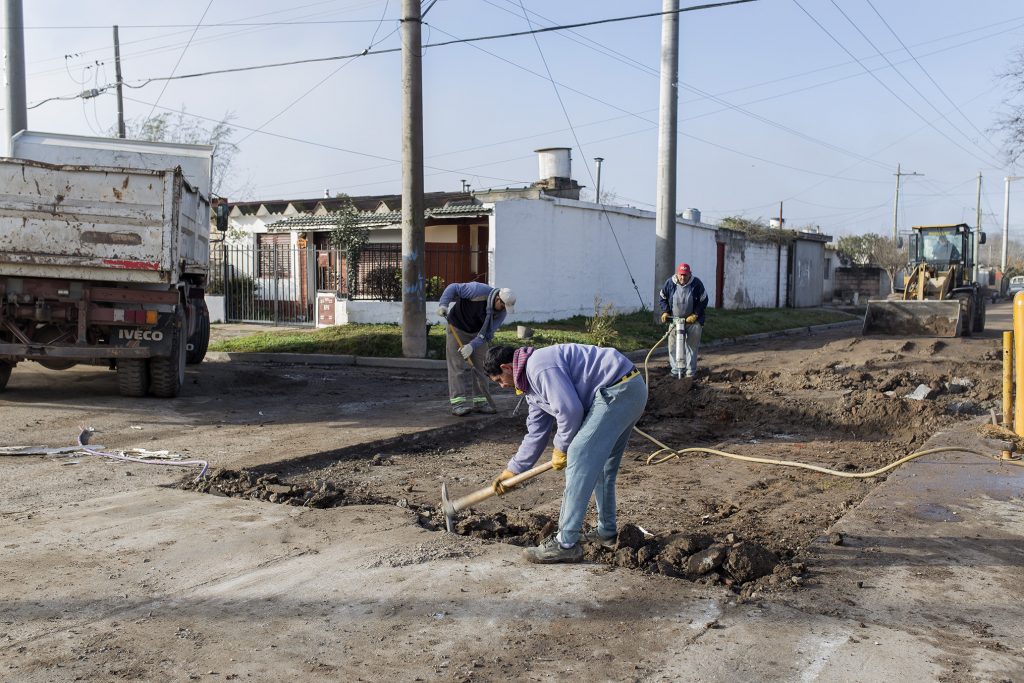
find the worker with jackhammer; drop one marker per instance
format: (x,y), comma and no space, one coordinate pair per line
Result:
(474,311)
(683,300)
(589,398)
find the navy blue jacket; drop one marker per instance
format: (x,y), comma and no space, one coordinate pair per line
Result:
(700,296)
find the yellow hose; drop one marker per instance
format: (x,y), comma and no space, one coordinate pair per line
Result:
(653,458)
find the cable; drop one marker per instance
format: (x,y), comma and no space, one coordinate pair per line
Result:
(86,432)
(575,137)
(180,57)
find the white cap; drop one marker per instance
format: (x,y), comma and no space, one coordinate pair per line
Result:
(508,297)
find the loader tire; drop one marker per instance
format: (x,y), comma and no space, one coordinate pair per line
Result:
(200,339)
(132,377)
(5,374)
(979,316)
(167,373)
(966,314)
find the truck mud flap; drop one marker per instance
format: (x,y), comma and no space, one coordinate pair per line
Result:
(913,318)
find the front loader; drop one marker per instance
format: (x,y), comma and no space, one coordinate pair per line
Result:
(940,297)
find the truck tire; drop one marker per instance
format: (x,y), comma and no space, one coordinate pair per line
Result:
(132,377)
(167,373)
(200,339)
(5,374)
(966,314)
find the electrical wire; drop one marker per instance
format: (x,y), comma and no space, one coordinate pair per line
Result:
(85,433)
(180,57)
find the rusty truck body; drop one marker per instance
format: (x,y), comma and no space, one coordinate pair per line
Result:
(104,257)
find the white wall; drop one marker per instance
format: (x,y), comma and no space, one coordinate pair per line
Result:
(750,280)
(558,254)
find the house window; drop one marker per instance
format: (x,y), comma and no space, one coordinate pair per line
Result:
(275,255)
(828,268)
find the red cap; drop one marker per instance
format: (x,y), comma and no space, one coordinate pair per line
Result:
(684,269)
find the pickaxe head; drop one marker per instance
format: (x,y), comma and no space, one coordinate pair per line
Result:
(447,508)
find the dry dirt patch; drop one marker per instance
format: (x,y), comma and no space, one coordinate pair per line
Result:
(841,402)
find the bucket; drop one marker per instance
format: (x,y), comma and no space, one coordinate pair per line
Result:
(524,332)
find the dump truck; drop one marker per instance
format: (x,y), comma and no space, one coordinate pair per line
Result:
(104,255)
(939,297)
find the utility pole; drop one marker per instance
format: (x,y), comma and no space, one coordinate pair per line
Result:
(665,217)
(14,69)
(1006,221)
(977,230)
(896,204)
(414,314)
(117,74)
(597,190)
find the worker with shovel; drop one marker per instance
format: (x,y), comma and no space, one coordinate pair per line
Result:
(683,300)
(589,397)
(474,312)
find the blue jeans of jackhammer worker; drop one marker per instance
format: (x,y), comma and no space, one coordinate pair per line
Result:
(594,456)
(691,335)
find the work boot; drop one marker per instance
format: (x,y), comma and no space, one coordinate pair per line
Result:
(592,536)
(485,408)
(551,551)
(462,410)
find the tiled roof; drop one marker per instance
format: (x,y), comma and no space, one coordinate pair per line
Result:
(371,219)
(365,203)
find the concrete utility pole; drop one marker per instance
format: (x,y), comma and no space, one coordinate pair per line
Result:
(665,218)
(977,229)
(117,74)
(597,190)
(14,71)
(1006,221)
(414,314)
(896,204)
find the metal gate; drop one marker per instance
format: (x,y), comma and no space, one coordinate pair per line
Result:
(276,282)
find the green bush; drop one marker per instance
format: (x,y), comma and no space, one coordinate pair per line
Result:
(241,291)
(383,283)
(434,287)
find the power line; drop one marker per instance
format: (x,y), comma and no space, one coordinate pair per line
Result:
(884,85)
(180,57)
(907,81)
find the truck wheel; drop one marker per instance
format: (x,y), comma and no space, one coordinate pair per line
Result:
(167,373)
(132,377)
(5,374)
(200,339)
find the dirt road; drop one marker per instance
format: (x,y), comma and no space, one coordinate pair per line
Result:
(112,571)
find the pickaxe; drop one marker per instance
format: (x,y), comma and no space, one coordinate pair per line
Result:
(479,374)
(450,507)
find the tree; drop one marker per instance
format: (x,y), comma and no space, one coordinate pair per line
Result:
(180,127)
(1012,124)
(854,250)
(873,250)
(351,237)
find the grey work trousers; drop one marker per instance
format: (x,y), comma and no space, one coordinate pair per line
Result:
(464,384)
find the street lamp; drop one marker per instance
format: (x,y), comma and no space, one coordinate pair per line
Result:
(1006,220)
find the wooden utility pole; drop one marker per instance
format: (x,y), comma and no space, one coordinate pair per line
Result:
(414,314)
(14,68)
(665,216)
(977,229)
(117,75)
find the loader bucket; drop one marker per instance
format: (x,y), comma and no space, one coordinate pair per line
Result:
(913,318)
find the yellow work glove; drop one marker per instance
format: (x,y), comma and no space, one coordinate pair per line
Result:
(691,319)
(664,318)
(498,487)
(558,459)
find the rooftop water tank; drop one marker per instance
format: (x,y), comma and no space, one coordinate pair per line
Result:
(555,162)
(692,215)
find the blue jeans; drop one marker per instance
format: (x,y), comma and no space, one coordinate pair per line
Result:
(594,456)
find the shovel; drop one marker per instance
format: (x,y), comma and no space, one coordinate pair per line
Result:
(451,507)
(479,375)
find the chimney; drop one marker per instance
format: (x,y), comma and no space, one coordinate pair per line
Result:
(556,172)
(327,193)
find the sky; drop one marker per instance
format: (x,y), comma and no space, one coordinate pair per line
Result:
(811,103)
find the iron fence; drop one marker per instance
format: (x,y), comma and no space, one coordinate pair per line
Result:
(277,283)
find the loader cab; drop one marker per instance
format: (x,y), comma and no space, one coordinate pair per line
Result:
(943,246)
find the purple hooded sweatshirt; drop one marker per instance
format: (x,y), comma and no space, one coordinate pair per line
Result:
(563,381)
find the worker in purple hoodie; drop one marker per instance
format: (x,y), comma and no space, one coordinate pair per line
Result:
(589,397)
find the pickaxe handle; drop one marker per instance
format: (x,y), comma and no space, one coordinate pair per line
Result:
(450,507)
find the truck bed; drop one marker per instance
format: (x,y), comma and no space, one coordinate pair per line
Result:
(100,223)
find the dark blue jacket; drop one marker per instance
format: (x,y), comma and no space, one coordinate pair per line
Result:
(700,296)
